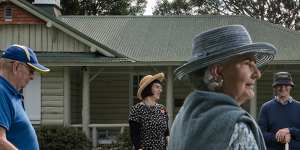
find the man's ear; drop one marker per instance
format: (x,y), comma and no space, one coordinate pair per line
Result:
(15,66)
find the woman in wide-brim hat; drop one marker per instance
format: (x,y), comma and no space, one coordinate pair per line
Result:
(148,120)
(223,71)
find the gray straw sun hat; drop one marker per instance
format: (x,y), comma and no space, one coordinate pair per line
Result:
(219,44)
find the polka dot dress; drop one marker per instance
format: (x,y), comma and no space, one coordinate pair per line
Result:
(153,122)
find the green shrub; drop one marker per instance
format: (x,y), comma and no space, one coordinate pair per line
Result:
(62,138)
(123,143)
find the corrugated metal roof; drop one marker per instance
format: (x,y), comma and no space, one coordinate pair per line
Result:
(169,38)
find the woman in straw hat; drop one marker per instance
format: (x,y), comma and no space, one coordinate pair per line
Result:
(223,71)
(148,120)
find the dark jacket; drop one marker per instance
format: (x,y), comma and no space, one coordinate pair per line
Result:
(275,116)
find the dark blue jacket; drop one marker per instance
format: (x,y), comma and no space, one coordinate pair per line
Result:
(275,116)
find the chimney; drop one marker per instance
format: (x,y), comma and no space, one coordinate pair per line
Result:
(51,6)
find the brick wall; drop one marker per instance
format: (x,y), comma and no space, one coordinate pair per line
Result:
(19,15)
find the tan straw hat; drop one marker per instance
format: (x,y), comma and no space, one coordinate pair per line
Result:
(147,80)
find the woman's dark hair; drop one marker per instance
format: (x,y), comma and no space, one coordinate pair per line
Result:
(148,91)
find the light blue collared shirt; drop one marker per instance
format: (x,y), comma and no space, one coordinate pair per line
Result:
(289,100)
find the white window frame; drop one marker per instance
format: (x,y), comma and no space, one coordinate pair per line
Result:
(8,13)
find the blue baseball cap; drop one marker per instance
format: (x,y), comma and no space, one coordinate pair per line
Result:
(25,55)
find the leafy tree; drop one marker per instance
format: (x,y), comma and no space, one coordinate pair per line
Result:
(284,12)
(186,7)
(102,7)
(111,7)
(70,7)
(30,1)
(177,7)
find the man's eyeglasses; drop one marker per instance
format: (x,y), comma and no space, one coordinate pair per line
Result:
(28,68)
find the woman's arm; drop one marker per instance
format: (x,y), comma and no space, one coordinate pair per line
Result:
(135,133)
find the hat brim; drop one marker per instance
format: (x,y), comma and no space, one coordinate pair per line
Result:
(39,67)
(283,83)
(263,52)
(159,76)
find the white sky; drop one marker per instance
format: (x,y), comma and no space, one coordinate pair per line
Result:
(149,7)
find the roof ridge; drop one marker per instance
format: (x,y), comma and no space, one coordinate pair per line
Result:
(147,16)
(274,26)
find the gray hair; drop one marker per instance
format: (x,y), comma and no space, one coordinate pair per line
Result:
(5,64)
(203,80)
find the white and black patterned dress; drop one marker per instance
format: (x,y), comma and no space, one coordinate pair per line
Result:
(242,138)
(149,126)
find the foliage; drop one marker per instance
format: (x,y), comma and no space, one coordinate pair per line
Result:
(58,137)
(30,1)
(123,143)
(102,7)
(70,7)
(125,140)
(284,12)
(177,7)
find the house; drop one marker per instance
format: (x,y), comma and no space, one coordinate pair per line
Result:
(96,62)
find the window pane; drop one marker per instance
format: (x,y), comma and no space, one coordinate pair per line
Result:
(7,13)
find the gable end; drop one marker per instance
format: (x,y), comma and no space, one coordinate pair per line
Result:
(12,14)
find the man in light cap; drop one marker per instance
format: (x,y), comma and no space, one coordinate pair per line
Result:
(18,65)
(279,117)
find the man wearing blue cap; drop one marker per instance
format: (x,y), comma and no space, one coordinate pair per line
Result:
(17,67)
(279,117)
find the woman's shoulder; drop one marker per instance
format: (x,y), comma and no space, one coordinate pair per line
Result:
(136,110)
(138,106)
